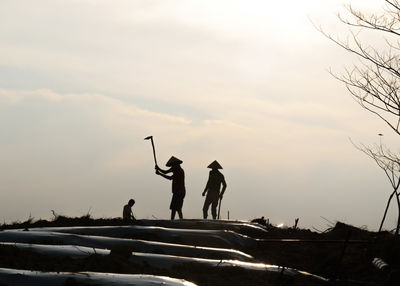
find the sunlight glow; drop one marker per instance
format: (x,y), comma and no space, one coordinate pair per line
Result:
(245,82)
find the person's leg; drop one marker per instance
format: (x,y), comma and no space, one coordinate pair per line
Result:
(173,206)
(180,214)
(206,205)
(205,210)
(214,208)
(179,205)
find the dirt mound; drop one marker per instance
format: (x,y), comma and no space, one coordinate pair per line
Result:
(346,231)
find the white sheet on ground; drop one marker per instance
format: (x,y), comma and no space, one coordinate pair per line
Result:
(237,226)
(43,237)
(220,238)
(33,278)
(161,261)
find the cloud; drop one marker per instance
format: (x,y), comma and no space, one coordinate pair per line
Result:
(238,127)
(83,82)
(68,145)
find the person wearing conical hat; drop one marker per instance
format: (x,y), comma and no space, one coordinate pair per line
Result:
(212,189)
(178,184)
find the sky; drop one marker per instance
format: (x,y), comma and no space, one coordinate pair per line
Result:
(247,83)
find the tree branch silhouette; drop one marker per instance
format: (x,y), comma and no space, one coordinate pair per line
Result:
(374,82)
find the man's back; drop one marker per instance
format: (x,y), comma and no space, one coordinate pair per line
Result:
(127,213)
(178,181)
(215,180)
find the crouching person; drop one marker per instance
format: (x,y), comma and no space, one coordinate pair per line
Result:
(127,215)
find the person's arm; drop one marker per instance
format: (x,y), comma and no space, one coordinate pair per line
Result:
(223,187)
(163,175)
(206,188)
(163,171)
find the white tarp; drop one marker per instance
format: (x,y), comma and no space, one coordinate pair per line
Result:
(200,237)
(174,246)
(237,226)
(43,237)
(13,277)
(161,261)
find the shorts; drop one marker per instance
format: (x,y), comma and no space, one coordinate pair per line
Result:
(176,202)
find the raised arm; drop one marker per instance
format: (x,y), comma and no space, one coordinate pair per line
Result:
(163,171)
(163,175)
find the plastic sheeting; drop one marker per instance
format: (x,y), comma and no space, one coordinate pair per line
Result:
(15,277)
(45,237)
(199,237)
(236,226)
(161,261)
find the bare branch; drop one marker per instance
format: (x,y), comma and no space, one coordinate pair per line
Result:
(374,83)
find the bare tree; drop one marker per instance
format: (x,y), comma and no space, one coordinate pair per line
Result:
(375,81)
(390,164)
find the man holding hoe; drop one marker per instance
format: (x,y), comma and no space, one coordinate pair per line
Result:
(178,184)
(178,180)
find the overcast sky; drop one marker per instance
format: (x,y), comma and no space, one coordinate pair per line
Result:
(243,82)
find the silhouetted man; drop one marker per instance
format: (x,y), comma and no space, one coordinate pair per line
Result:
(215,180)
(178,184)
(127,215)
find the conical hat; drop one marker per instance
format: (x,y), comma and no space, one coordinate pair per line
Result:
(215,165)
(173,161)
